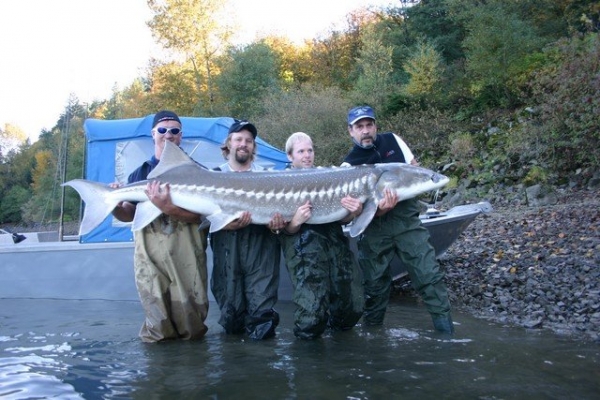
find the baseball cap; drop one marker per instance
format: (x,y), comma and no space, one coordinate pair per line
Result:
(360,112)
(165,115)
(239,125)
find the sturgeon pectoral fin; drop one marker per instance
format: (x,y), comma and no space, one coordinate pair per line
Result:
(220,219)
(204,224)
(145,213)
(364,219)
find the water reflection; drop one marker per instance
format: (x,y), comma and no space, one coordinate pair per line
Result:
(89,349)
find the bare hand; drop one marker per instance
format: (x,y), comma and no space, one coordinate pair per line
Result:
(124,210)
(303,214)
(277,222)
(353,205)
(388,202)
(243,221)
(159,196)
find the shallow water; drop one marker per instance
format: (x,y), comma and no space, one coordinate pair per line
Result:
(71,349)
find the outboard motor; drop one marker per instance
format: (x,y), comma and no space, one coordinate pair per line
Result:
(18,238)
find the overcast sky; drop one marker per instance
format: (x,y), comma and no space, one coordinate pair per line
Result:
(52,48)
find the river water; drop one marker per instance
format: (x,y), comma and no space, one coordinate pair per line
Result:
(72,349)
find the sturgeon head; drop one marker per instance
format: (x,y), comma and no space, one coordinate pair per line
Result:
(407,180)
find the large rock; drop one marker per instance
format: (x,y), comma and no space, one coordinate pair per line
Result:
(539,195)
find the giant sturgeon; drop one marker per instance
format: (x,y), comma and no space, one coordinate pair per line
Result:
(223,196)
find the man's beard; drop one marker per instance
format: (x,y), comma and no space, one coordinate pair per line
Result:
(364,146)
(242,158)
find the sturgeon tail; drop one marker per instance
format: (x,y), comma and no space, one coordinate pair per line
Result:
(97,206)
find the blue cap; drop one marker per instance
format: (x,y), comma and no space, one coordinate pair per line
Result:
(360,112)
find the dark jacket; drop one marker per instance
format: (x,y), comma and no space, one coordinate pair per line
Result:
(384,150)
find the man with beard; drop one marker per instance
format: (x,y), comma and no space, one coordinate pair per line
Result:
(246,257)
(396,229)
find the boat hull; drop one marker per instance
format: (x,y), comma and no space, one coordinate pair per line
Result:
(89,271)
(444,229)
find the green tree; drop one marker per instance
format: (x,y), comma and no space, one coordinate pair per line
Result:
(192,28)
(10,205)
(567,91)
(432,19)
(58,157)
(114,106)
(425,68)
(172,85)
(496,45)
(15,174)
(135,99)
(333,58)
(295,63)
(247,74)
(19,165)
(559,18)
(375,82)
(316,110)
(43,204)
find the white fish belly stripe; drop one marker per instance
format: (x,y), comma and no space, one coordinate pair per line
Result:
(357,186)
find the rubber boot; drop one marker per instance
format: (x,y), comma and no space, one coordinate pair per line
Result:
(264,326)
(443,324)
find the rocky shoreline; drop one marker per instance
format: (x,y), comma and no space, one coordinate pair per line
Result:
(535,267)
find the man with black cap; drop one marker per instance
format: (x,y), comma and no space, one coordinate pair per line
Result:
(169,255)
(246,257)
(395,229)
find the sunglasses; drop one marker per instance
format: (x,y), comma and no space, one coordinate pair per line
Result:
(162,130)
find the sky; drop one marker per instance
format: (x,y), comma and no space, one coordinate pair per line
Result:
(55,48)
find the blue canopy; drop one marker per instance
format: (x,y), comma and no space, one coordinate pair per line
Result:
(116,147)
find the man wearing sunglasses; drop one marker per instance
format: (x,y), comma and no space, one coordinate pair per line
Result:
(169,255)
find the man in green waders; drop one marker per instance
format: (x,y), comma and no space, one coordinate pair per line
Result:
(323,270)
(395,229)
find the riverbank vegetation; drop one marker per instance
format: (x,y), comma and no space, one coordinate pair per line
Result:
(493,93)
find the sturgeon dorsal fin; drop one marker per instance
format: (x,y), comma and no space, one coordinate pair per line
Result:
(364,219)
(171,157)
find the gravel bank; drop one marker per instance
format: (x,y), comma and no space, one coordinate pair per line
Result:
(536,267)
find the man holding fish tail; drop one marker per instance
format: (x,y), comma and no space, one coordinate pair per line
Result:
(169,256)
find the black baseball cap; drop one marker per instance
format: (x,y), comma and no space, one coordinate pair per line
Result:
(239,125)
(165,115)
